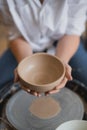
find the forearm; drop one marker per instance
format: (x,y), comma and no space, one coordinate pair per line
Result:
(67,46)
(20,48)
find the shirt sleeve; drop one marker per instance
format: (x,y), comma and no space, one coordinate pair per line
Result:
(76,17)
(8,23)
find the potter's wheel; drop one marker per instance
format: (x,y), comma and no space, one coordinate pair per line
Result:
(17,111)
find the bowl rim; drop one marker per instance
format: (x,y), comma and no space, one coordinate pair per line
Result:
(41,85)
(71,122)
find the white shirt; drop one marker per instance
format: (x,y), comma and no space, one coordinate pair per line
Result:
(41,24)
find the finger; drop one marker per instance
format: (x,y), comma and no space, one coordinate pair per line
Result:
(26,89)
(53,91)
(16,78)
(68,72)
(38,94)
(34,93)
(62,84)
(46,93)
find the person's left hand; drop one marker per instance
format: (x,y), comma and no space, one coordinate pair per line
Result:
(67,77)
(17,79)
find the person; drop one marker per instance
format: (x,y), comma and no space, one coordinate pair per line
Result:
(33,26)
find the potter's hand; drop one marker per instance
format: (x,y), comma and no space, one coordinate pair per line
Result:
(64,81)
(16,79)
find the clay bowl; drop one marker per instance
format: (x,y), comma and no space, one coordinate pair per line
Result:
(73,125)
(40,72)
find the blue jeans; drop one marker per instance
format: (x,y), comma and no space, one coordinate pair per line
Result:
(7,65)
(79,65)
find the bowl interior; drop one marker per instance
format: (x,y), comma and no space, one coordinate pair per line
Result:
(40,69)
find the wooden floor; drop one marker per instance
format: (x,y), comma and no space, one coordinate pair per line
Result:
(3,40)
